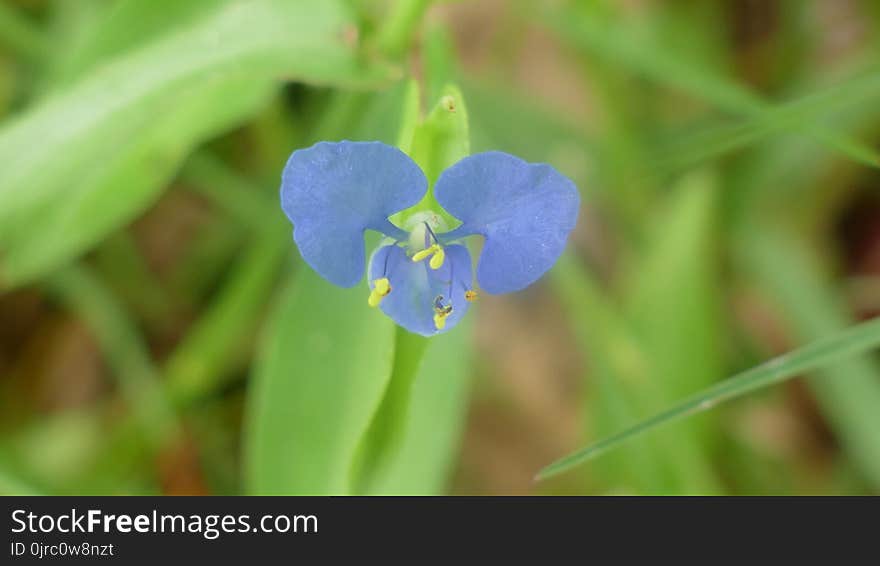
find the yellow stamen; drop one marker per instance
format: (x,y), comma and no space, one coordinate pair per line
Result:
(470,295)
(435,251)
(419,256)
(437,259)
(381,287)
(440,313)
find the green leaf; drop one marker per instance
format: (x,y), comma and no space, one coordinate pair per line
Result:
(387,427)
(435,419)
(441,140)
(125,26)
(820,354)
(106,197)
(322,372)
(99,150)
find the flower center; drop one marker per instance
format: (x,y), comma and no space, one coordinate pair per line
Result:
(423,241)
(423,227)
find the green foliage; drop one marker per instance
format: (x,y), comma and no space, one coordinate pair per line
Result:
(849,391)
(158,333)
(141,115)
(326,363)
(817,355)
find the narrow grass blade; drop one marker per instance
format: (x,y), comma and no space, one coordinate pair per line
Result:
(619,45)
(819,354)
(714,141)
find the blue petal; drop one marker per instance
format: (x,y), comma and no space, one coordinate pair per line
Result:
(332,192)
(524,210)
(415,286)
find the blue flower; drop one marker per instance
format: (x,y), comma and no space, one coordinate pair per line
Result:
(421,274)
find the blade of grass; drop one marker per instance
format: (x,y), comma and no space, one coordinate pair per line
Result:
(817,355)
(713,141)
(617,43)
(615,363)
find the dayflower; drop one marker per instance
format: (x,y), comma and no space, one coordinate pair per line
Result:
(420,275)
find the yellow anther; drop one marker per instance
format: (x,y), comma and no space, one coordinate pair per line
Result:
(374,299)
(436,253)
(440,320)
(437,259)
(441,312)
(381,287)
(429,251)
(470,295)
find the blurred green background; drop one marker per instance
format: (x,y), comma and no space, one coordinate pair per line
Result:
(159,333)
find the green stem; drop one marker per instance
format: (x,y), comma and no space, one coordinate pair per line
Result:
(385,433)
